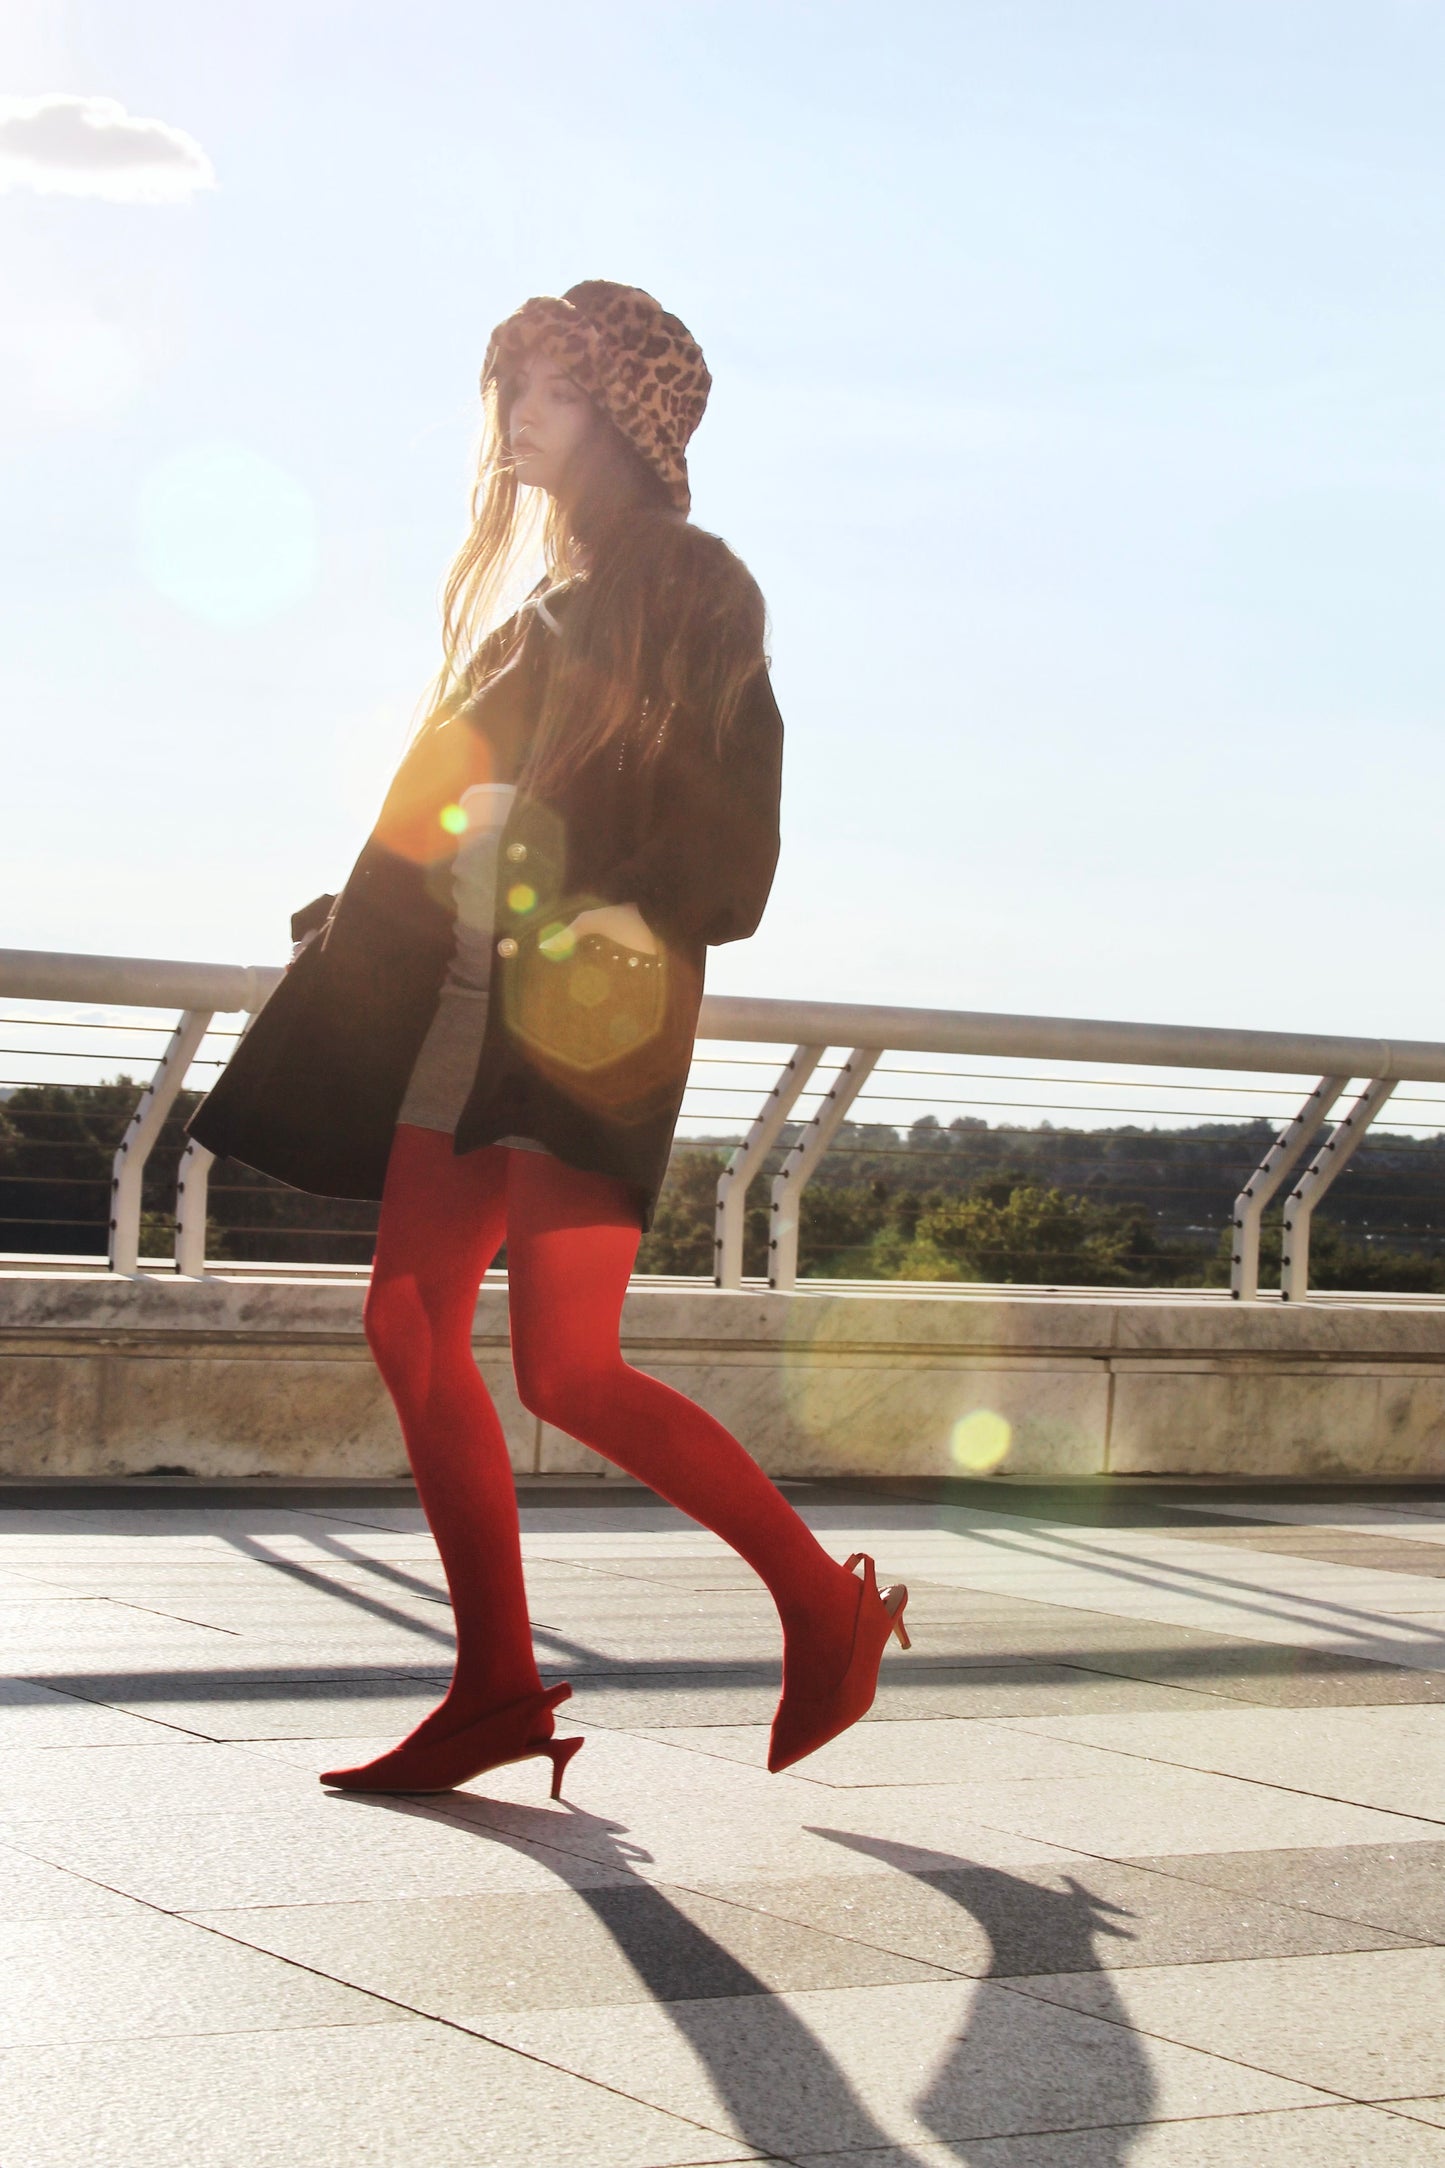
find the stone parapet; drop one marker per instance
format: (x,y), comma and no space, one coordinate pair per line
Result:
(247,1374)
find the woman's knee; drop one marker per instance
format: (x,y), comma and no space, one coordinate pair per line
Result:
(563,1390)
(390,1302)
(402,1312)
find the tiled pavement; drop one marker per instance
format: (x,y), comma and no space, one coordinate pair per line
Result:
(1139,1858)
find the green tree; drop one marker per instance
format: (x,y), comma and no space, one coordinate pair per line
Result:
(1338,1264)
(1006,1231)
(683,1232)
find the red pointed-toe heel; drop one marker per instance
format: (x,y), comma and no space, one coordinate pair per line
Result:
(809,1715)
(509,1734)
(894,1599)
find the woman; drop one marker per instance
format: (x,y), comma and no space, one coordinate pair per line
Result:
(492,1029)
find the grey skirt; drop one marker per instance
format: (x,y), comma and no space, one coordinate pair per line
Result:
(446,1066)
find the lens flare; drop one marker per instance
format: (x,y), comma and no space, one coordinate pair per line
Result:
(453,819)
(979,1442)
(521,899)
(587,986)
(558,942)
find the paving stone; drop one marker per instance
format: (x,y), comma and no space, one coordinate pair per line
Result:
(343,1640)
(623,1701)
(331,2098)
(896,1753)
(1392,1758)
(1019,1688)
(37,1716)
(1346,1547)
(315,1754)
(615,1596)
(31,1889)
(1167,1809)
(324,1709)
(1278,1677)
(625,1943)
(18,1587)
(344,1607)
(1397,1886)
(1428,2111)
(905,1691)
(606,1656)
(719,1570)
(677,1816)
(1401,1626)
(140,1974)
(90,1621)
(62,1666)
(1003,1923)
(862,2067)
(1366,2024)
(189,1776)
(133,1578)
(236,1670)
(26,1526)
(344,1850)
(672,1844)
(1294,2138)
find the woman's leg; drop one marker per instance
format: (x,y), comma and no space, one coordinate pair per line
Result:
(571,1242)
(443,1219)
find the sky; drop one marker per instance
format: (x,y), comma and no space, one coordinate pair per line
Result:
(1079,404)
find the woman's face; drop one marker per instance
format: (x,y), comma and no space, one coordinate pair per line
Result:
(549,416)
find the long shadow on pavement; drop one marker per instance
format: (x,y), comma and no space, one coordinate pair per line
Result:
(1032,1929)
(780,2086)
(1019,2065)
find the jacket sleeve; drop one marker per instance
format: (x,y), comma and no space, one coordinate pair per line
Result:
(705,866)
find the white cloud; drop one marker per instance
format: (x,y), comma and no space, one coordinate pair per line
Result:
(67,146)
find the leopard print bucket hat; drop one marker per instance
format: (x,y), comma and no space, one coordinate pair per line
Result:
(639,364)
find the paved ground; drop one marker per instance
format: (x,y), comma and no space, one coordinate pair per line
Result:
(1138,1860)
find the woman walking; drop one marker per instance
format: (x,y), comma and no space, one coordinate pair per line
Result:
(491,1027)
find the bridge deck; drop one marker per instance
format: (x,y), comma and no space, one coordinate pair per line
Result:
(1138,1857)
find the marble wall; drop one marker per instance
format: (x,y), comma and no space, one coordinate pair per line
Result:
(249,1376)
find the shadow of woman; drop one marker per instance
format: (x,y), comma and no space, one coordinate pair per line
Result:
(1023,2064)
(781,2089)
(1020,2064)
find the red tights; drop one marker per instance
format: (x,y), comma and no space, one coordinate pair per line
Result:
(571,1241)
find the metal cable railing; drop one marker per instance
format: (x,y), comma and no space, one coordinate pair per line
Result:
(1123,1115)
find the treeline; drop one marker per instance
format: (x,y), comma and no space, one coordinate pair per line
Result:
(1119,1207)
(1007,1228)
(57,1142)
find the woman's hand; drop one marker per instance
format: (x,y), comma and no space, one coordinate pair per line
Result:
(619,922)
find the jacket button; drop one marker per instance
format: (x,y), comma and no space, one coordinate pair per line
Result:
(516,852)
(506,946)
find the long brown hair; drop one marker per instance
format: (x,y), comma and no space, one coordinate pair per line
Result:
(663,617)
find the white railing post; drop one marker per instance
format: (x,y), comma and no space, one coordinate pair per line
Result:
(192,1184)
(129,1164)
(1249,1205)
(801,1164)
(1328,1163)
(732,1186)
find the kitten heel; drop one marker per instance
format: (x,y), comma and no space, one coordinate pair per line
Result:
(559,1753)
